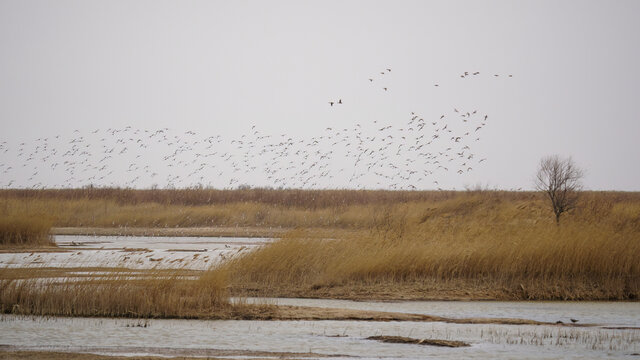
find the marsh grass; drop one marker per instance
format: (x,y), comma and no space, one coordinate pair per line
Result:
(475,244)
(322,209)
(165,295)
(505,249)
(21,231)
(591,339)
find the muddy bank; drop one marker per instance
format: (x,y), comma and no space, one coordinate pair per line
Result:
(295,313)
(408,340)
(434,289)
(285,312)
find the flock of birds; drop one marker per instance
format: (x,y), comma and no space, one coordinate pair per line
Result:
(408,156)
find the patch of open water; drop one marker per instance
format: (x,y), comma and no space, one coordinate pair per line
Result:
(135,252)
(621,314)
(343,338)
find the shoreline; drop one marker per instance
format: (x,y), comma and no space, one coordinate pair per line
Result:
(249,232)
(309,313)
(428,290)
(27,352)
(213,231)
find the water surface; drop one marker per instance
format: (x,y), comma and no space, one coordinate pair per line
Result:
(134,252)
(622,314)
(347,338)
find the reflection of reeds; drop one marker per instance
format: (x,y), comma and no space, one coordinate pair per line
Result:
(587,338)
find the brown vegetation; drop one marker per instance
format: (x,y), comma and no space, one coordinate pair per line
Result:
(126,208)
(385,244)
(171,294)
(307,199)
(486,244)
(23,231)
(162,296)
(407,340)
(166,296)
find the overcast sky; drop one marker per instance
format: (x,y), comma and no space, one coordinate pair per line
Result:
(224,69)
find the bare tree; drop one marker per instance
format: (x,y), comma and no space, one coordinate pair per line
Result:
(560,179)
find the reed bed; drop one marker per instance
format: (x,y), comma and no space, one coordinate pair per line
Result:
(506,249)
(108,213)
(25,230)
(474,244)
(308,199)
(340,209)
(161,296)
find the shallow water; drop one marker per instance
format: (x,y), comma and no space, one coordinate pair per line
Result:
(621,314)
(346,338)
(136,252)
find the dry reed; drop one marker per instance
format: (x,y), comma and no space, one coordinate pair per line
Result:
(503,242)
(511,247)
(23,231)
(162,296)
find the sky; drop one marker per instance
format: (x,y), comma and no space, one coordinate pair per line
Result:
(233,93)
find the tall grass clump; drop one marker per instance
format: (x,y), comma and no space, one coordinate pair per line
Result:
(504,248)
(25,231)
(159,296)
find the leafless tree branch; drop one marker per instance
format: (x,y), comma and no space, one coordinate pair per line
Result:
(561,180)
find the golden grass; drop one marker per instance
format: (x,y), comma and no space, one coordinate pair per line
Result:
(162,296)
(475,244)
(21,231)
(333,209)
(169,295)
(308,199)
(407,340)
(510,247)
(96,213)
